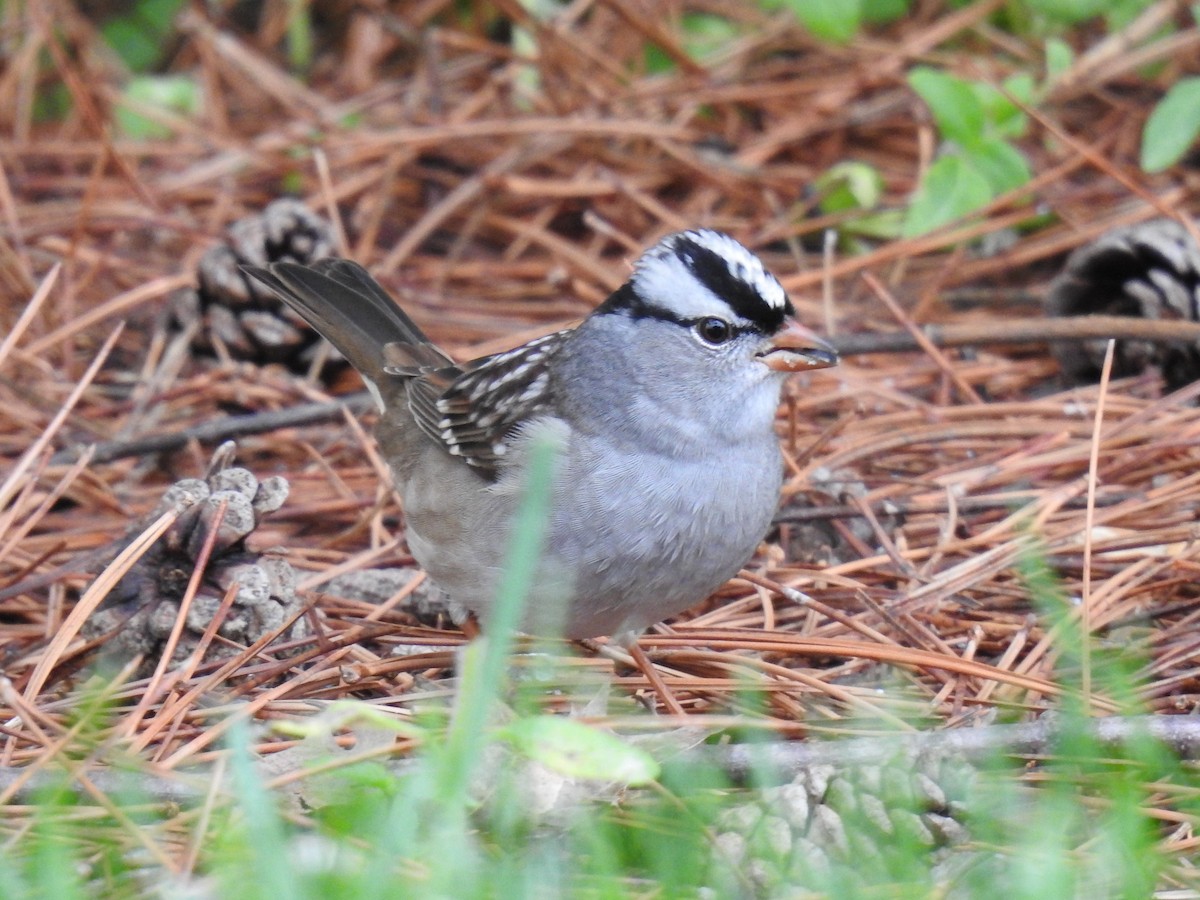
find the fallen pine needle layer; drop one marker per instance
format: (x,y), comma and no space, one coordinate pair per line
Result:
(929,559)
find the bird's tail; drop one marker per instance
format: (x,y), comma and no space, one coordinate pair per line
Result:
(341,300)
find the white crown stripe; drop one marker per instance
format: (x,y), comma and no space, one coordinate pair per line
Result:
(742,264)
(665,276)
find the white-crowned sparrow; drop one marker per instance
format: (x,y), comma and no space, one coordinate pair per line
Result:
(662,403)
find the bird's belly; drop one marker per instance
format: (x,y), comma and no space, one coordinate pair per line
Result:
(642,546)
(623,550)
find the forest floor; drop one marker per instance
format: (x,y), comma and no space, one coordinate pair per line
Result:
(953,517)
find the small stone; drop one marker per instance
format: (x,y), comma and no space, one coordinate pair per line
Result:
(370,585)
(269,618)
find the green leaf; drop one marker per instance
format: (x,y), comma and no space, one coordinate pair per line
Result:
(140,37)
(1059,57)
(292,183)
(1002,164)
(881,12)
(1000,115)
(1173,126)
(1119,14)
(1021,86)
(704,31)
(1068,12)
(657,60)
(701,35)
(884,225)
(951,189)
(1010,119)
(343,714)
(177,94)
(835,21)
(849,185)
(52,102)
(580,751)
(299,35)
(953,103)
(527,80)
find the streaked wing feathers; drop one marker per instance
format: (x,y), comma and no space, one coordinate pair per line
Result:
(472,411)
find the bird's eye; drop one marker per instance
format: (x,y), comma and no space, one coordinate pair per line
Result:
(714,331)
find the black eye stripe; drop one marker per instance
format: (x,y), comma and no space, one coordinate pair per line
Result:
(712,270)
(625,301)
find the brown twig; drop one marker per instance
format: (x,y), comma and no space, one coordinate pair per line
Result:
(226,428)
(1031,331)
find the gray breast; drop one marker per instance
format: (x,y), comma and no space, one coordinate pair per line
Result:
(646,541)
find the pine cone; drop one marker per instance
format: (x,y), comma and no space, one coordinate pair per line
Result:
(144,605)
(236,312)
(829,816)
(1151,271)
